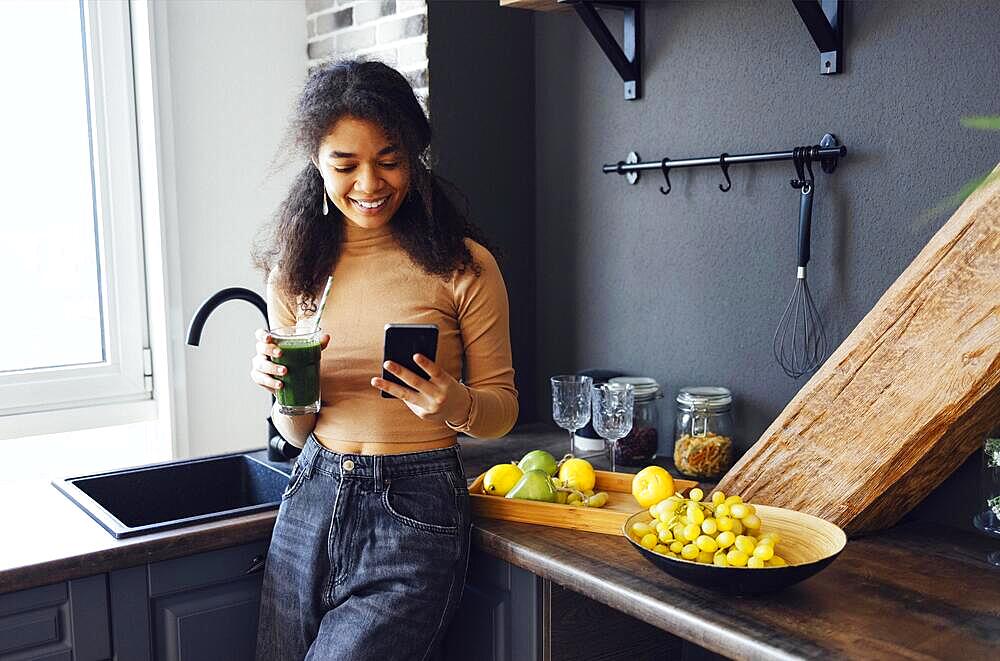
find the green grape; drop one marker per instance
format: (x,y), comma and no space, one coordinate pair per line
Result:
(660,527)
(718,498)
(694,514)
(755,562)
(725,539)
(676,546)
(648,541)
(660,548)
(737,558)
(704,558)
(678,531)
(737,527)
(751,522)
(665,537)
(709,526)
(721,510)
(744,544)
(764,552)
(706,544)
(776,561)
(654,513)
(750,508)
(732,500)
(739,510)
(641,529)
(720,559)
(691,532)
(724,523)
(696,494)
(689,552)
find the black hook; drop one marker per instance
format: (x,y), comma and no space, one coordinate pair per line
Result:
(666,175)
(810,153)
(797,160)
(725,171)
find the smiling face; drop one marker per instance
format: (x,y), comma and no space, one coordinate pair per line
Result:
(366,175)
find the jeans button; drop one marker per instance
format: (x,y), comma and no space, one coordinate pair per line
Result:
(348,465)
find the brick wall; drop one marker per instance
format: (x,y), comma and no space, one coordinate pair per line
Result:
(393,31)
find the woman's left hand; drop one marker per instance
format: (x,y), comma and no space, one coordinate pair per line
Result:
(440,399)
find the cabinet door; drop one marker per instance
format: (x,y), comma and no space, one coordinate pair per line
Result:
(498,617)
(57,622)
(205,606)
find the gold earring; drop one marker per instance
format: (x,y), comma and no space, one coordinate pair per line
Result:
(326,209)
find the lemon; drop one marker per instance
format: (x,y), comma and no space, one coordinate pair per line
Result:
(578,474)
(651,485)
(500,479)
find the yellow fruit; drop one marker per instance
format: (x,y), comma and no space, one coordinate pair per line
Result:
(754,562)
(578,474)
(690,552)
(661,549)
(651,485)
(648,541)
(725,539)
(500,479)
(776,561)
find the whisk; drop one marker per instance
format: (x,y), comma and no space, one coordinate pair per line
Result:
(800,340)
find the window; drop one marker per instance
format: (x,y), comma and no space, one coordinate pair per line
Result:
(74,330)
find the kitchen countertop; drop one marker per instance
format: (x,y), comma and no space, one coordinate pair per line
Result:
(907,592)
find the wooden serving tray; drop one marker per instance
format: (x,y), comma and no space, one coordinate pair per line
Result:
(608,519)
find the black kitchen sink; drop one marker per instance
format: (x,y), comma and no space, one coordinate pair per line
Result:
(137,501)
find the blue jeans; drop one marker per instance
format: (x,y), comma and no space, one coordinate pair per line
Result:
(367,558)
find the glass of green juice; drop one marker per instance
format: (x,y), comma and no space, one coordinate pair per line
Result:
(300,354)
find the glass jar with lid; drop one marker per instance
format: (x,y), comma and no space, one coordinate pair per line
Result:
(639,447)
(703,434)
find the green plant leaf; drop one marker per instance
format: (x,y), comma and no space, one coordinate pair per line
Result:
(982,122)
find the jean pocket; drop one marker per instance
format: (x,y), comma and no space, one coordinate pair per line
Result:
(295,479)
(426,502)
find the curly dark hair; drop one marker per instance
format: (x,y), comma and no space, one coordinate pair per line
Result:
(429,225)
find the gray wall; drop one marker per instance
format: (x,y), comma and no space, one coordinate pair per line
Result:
(482,107)
(688,288)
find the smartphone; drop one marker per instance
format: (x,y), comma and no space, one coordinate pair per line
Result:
(404,340)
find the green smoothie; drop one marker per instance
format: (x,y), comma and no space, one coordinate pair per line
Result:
(299,392)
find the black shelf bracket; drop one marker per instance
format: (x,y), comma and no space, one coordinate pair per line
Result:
(825,21)
(627,58)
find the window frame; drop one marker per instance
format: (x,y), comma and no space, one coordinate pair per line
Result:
(125,376)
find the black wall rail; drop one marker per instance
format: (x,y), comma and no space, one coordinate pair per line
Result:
(827,152)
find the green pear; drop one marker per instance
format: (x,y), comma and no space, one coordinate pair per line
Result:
(535,484)
(539,459)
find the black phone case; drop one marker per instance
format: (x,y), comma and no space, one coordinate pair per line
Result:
(401,342)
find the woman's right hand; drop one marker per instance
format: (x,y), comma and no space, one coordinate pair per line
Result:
(263,369)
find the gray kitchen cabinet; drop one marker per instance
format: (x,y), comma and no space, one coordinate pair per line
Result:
(201,606)
(66,621)
(498,618)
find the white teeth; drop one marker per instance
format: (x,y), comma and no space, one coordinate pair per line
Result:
(370,205)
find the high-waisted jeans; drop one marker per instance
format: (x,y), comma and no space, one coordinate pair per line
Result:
(368,556)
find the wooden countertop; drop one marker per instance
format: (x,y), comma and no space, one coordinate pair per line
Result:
(910,592)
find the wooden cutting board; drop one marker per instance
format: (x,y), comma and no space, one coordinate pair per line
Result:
(607,520)
(907,397)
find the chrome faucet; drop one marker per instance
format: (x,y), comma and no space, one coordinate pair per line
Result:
(278,449)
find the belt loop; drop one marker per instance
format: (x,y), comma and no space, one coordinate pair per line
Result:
(461,465)
(377,471)
(309,455)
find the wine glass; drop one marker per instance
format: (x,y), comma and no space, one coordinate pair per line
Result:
(571,403)
(612,417)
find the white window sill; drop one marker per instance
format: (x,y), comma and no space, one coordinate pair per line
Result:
(81,452)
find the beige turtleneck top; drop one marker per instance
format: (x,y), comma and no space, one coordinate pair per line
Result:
(374,283)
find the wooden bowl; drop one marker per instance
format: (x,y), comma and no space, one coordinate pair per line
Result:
(808,544)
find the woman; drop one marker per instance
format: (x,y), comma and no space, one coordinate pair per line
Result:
(369,550)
